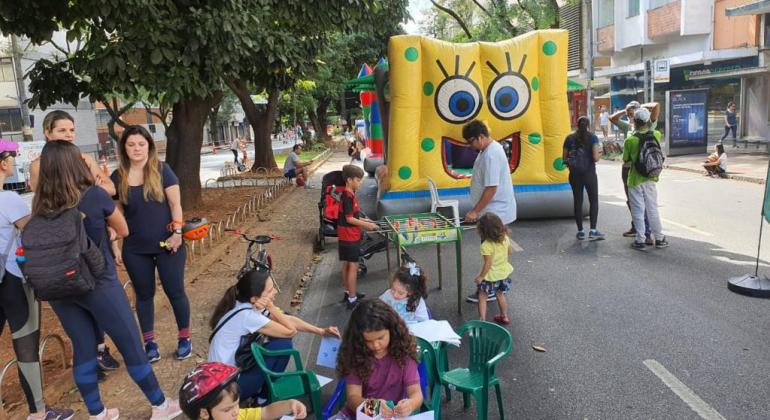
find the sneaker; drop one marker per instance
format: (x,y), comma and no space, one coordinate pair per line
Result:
(346,296)
(100,376)
(170,411)
(151,348)
(630,233)
(183,349)
(107,414)
(105,361)
(639,245)
(662,243)
(53,413)
(648,240)
(595,235)
(350,305)
(474,297)
(580,235)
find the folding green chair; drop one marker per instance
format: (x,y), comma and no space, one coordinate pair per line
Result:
(487,343)
(288,385)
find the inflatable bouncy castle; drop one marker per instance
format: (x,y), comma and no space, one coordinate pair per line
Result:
(517,87)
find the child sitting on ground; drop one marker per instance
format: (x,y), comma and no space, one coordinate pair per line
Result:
(407,294)
(211,392)
(716,164)
(377,360)
(495,270)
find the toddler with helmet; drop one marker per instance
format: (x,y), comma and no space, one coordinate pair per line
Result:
(211,392)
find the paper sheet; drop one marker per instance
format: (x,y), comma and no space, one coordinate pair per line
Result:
(323,380)
(327,353)
(434,330)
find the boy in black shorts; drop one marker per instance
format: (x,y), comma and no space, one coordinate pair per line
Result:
(349,227)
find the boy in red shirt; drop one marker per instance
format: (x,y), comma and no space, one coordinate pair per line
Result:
(349,227)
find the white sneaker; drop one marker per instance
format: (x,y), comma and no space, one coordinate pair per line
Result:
(168,412)
(107,414)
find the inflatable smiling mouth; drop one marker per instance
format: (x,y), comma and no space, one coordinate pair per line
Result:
(458,156)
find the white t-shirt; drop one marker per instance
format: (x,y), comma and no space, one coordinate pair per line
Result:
(291,162)
(226,340)
(604,119)
(419,315)
(12,208)
(722,163)
(491,170)
(234,144)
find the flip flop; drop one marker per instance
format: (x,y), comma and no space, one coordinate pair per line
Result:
(502,319)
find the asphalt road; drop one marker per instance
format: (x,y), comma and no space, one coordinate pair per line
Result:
(629,334)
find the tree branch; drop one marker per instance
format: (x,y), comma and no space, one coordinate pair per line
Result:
(525,10)
(457,17)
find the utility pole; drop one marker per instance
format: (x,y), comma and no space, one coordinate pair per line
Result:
(590,65)
(21,90)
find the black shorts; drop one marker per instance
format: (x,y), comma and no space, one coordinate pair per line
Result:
(349,251)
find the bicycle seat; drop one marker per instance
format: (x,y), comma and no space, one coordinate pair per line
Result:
(262,239)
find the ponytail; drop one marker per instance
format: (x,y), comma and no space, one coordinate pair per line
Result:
(250,284)
(582,133)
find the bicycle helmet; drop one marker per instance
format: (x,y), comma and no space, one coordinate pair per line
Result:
(195,228)
(202,386)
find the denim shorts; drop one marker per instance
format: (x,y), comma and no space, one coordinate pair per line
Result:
(499,286)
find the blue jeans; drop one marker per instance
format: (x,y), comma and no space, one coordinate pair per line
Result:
(734,129)
(252,380)
(644,201)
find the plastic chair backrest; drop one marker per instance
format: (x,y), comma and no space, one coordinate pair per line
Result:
(485,341)
(428,358)
(433,191)
(261,364)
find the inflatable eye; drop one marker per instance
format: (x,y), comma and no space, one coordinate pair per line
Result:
(509,93)
(458,99)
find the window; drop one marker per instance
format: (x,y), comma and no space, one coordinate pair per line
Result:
(10,119)
(633,8)
(6,70)
(606,13)
(654,4)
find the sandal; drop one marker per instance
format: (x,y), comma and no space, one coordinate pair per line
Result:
(502,319)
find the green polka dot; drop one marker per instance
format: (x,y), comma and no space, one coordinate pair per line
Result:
(549,48)
(535,83)
(427,88)
(558,164)
(404,172)
(535,138)
(411,54)
(427,144)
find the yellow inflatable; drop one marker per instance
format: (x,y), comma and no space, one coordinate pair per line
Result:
(518,87)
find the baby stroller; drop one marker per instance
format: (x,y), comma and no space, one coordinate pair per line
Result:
(332,186)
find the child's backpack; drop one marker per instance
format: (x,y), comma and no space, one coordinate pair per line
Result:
(650,161)
(61,260)
(333,202)
(578,158)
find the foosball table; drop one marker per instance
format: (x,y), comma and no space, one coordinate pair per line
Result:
(409,230)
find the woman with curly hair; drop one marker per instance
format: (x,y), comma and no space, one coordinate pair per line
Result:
(377,360)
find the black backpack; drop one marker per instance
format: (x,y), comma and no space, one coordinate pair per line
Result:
(61,260)
(579,158)
(650,160)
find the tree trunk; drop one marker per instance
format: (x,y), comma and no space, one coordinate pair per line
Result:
(318,118)
(213,126)
(261,120)
(184,139)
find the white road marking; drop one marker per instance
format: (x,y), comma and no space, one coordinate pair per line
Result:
(615,203)
(516,247)
(736,262)
(691,229)
(701,407)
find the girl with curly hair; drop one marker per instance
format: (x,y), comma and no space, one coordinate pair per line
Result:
(377,360)
(495,268)
(407,294)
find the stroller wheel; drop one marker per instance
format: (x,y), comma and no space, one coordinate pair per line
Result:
(362,269)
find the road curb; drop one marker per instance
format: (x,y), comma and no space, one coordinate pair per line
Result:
(729,176)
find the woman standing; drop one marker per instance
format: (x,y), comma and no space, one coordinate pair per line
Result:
(581,152)
(148,192)
(65,183)
(17,301)
(731,123)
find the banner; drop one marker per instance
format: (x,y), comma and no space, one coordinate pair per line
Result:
(688,119)
(766,203)
(661,72)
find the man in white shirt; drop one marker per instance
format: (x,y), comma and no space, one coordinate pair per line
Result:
(293,167)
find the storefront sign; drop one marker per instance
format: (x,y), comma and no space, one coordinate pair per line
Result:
(661,71)
(688,121)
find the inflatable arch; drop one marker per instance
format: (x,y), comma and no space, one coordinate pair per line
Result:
(517,87)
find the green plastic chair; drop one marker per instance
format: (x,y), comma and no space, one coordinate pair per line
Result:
(288,385)
(428,356)
(487,343)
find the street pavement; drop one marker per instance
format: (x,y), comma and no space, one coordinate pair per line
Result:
(628,334)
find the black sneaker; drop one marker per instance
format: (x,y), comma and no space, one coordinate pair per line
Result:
(105,361)
(346,296)
(352,305)
(474,297)
(630,233)
(53,413)
(663,243)
(639,245)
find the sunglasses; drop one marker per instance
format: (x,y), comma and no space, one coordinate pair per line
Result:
(7,154)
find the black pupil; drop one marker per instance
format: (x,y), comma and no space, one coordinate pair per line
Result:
(505,100)
(462,104)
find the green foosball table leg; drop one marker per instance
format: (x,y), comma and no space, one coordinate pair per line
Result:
(440,274)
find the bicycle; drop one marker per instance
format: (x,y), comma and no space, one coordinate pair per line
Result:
(259,258)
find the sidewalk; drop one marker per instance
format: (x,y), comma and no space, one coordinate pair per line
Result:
(742,164)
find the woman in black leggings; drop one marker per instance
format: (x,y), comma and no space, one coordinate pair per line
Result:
(581,152)
(17,301)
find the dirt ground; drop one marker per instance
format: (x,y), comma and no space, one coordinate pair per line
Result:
(291,217)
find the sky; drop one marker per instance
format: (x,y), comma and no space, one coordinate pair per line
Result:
(417,9)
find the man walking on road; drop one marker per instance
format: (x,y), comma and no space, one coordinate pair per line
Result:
(642,192)
(491,187)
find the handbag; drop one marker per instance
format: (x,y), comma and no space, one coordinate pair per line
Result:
(243,357)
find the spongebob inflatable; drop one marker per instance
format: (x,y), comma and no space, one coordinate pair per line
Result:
(517,87)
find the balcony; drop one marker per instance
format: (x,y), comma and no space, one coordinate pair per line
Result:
(605,39)
(664,20)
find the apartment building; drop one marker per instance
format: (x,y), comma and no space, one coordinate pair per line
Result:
(705,48)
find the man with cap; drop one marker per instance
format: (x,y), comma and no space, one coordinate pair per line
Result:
(642,193)
(625,126)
